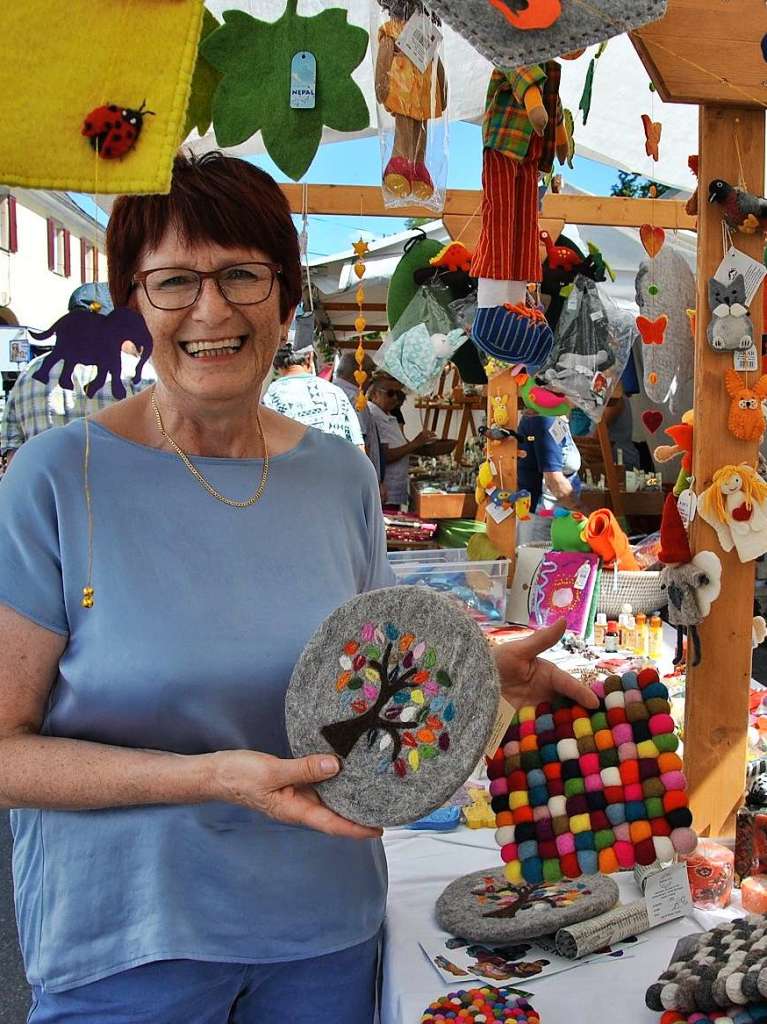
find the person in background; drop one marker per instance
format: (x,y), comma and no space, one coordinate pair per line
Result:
(620,428)
(384,399)
(343,377)
(549,470)
(33,407)
(301,395)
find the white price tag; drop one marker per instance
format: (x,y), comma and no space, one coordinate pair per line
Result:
(419,40)
(582,576)
(597,315)
(572,302)
(303,81)
(737,262)
(558,430)
(497,513)
(687,503)
(503,719)
(746,361)
(667,895)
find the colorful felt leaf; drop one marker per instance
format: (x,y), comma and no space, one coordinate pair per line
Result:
(254,59)
(204,82)
(444,679)
(652,238)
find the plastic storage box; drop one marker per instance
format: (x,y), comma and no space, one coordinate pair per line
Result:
(480,586)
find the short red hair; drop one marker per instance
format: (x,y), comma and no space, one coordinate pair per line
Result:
(212,198)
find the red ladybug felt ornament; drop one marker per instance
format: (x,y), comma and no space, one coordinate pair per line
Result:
(112,130)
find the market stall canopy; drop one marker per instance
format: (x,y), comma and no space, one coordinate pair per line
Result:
(613,134)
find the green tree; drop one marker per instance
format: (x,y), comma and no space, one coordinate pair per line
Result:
(411,223)
(635,186)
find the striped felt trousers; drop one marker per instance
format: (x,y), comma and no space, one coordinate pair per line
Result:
(508,244)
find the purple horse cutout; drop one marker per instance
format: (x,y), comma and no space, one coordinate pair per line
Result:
(95,340)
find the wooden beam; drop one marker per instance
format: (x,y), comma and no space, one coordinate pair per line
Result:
(467,229)
(716,705)
(610,211)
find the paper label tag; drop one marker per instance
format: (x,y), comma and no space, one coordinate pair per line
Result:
(582,577)
(558,430)
(597,315)
(667,895)
(419,40)
(687,503)
(303,81)
(497,513)
(572,302)
(746,361)
(503,719)
(737,262)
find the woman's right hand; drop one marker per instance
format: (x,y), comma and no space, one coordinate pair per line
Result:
(283,789)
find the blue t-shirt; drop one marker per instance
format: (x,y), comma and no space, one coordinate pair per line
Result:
(201,611)
(551,450)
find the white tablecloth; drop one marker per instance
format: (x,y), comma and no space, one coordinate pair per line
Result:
(422,864)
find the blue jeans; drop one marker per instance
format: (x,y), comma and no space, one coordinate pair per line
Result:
(339,988)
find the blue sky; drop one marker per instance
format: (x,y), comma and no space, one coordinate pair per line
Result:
(358,162)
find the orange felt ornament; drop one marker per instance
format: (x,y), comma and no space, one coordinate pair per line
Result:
(653,332)
(652,238)
(533,14)
(652,134)
(746,419)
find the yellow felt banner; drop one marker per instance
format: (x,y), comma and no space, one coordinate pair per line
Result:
(62,60)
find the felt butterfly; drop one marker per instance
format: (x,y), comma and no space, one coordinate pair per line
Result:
(529,14)
(652,134)
(653,331)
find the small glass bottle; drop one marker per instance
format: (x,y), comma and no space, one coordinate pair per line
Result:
(611,638)
(600,629)
(655,637)
(623,625)
(640,635)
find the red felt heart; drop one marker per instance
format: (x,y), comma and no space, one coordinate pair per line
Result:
(652,419)
(652,239)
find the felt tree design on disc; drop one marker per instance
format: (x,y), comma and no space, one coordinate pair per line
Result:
(401,685)
(254,58)
(499,899)
(399,697)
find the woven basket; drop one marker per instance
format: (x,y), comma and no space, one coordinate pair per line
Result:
(642,590)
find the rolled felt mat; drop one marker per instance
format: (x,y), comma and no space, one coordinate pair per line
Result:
(605,537)
(586,937)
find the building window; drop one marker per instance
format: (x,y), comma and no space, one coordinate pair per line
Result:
(89,262)
(8,233)
(59,255)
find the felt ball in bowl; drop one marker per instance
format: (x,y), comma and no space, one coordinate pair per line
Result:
(485,907)
(399,683)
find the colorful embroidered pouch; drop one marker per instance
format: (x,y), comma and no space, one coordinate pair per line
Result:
(564,588)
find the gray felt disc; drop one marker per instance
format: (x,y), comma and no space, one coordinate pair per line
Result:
(580,24)
(409,744)
(485,907)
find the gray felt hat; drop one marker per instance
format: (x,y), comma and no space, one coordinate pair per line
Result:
(401,684)
(485,907)
(580,24)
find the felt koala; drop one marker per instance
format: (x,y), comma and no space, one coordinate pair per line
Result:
(691,588)
(730,328)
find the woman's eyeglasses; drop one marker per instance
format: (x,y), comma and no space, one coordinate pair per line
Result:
(244,284)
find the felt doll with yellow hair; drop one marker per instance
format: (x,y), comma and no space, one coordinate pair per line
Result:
(735,505)
(412,96)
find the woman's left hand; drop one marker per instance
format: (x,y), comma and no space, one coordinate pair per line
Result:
(528,679)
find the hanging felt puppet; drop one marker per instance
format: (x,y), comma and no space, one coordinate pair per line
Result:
(502,30)
(735,505)
(692,583)
(682,436)
(523,130)
(746,418)
(741,210)
(542,400)
(665,290)
(411,90)
(731,328)
(254,59)
(88,338)
(560,272)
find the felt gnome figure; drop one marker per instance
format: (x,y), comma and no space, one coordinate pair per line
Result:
(693,584)
(523,130)
(412,97)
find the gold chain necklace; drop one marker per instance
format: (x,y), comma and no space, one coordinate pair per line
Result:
(198,475)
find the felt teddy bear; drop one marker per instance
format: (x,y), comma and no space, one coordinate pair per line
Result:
(523,130)
(692,583)
(413,97)
(746,418)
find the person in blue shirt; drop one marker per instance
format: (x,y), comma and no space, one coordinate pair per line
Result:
(162,566)
(548,468)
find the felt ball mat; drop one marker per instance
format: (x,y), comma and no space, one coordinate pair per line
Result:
(485,1005)
(491,33)
(715,970)
(736,1015)
(485,907)
(578,792)
(400,683)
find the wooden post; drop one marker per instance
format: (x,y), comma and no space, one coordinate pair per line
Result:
(504,455)
(611,474)
(716,707)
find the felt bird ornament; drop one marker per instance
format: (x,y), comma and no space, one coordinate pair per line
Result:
(742,211)
(542,400)
(746,419)
(652,134)
(559,257)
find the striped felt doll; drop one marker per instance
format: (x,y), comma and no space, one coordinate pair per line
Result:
(523,130)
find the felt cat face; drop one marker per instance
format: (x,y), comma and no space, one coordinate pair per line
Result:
(731,294)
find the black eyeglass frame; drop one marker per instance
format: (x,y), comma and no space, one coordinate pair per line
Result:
(140,277)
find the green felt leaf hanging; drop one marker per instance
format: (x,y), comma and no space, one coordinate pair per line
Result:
(254,59)
(588,86)
(570,126)
(204,81)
